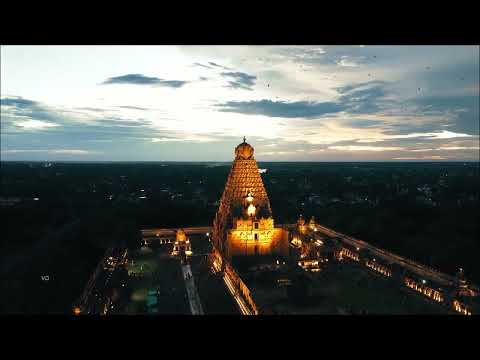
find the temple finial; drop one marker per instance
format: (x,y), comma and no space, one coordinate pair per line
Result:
(244,139)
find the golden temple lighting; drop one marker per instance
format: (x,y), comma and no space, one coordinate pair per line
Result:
(251,210)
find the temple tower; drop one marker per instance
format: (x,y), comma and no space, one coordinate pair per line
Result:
(244,224)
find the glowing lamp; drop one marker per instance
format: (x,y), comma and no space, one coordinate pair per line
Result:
(251,210)
(76,310)
(249,197)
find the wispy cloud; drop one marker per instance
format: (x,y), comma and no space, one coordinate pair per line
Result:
(184,138)
(295,109)
(358,98)
(345,61)
(434,157)
(219,66)
(139,79)
(35,124)
(202,65)
(132,107)
(19,114)
(165,139)
(364,148)
(240,80)
(50,151)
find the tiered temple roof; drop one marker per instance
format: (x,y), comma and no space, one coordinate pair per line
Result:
(244,178)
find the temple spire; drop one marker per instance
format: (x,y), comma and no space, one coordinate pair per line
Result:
(244,139)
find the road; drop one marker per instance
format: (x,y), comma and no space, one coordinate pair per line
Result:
(193,297)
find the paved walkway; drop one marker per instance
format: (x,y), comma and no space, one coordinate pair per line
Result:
(193,297)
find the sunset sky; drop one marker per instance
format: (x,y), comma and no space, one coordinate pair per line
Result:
(195,103)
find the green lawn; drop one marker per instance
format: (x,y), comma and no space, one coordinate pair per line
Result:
(158,272)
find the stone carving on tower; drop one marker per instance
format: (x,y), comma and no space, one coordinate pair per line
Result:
(244,224)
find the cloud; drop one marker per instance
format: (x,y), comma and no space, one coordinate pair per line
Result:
(184,137)
(296,109)
(365,148)
(133,108)
(122,122)
(202,65)
(91,109)
(240,80)
(19,113)
(71,128)
(358,98)
(321,97)
(49,151)
(281,153)
(308,54)
(444,134)
(139,79)
(220,66)
(19,102)
(35,124)
(165,139)
(362,123)
(365,98)
(459,148)
(346,62)
(73,152)
(433,157)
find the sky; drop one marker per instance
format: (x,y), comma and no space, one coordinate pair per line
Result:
(195,103)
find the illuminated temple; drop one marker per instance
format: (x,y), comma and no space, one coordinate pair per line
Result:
(286,264)
(244,223)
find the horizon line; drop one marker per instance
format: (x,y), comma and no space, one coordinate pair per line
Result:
(230,161)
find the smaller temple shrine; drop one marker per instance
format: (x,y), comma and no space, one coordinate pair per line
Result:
(182,244)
